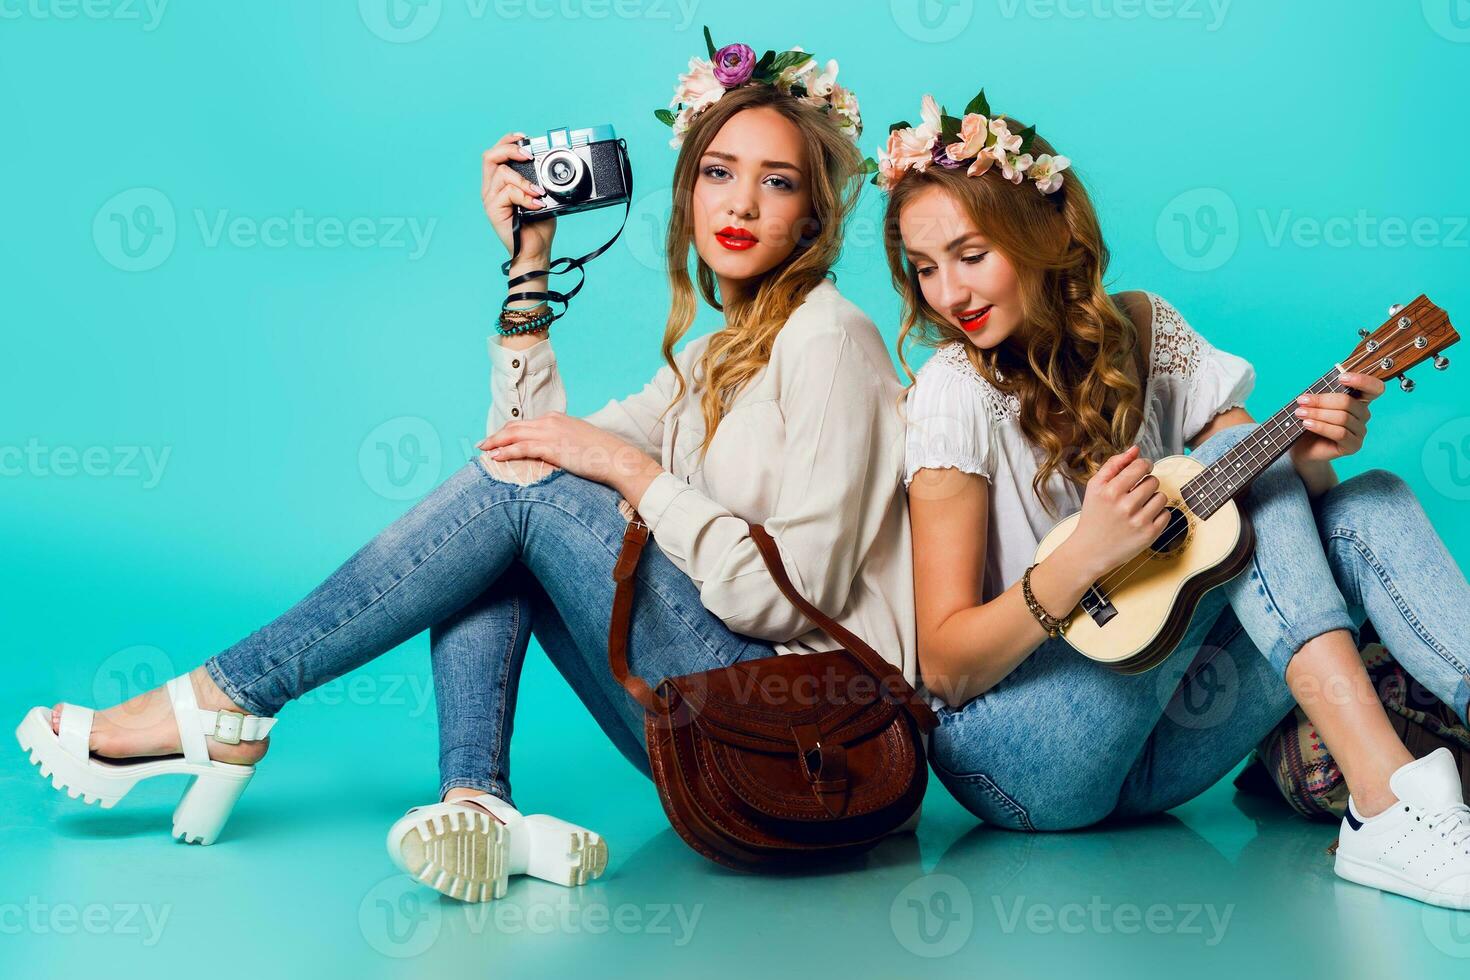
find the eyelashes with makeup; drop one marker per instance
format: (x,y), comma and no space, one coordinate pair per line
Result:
(782,183)
(923,273)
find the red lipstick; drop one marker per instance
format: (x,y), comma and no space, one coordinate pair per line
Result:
(972,320)
(735,239)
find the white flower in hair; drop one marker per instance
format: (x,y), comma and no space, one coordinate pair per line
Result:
(1047,172)
(698,88)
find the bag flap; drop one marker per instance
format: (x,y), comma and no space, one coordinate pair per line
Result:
(756,704)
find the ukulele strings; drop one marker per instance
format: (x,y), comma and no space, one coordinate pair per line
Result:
(1113,580)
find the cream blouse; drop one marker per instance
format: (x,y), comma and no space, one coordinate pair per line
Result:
(959,420)
(812,448)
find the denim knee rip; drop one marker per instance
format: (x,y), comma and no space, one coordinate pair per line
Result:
(517,471)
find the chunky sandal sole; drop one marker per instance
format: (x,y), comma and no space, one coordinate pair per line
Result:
(461,853)
(202,812)
(563,853)
(465,853)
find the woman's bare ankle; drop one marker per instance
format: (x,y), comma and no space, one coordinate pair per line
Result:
(461,793)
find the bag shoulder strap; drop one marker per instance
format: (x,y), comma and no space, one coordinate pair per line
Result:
(892,679)
(621,623)
(634,539)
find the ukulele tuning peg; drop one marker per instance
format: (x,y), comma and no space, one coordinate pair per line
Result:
(1406,382)
(1394,309)
(1441,362)
(1363,332)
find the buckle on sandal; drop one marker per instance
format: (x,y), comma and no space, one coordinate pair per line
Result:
(227,727)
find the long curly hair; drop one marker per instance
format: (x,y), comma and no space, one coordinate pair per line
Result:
(1068,361)
(738,351)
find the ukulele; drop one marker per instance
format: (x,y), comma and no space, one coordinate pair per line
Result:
(1132,618)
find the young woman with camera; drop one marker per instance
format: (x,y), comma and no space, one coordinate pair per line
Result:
(1048,397)
(786,415)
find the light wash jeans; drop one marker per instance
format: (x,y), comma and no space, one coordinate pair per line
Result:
(483,563)
(1063,742)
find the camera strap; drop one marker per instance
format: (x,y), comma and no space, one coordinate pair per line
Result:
(564,264)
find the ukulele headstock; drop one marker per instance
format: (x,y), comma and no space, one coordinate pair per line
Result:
(1411,334)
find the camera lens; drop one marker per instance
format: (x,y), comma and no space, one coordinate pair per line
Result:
(564,175)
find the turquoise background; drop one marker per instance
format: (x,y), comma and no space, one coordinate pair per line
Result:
(294,394)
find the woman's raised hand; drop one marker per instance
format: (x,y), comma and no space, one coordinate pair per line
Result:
(501,189)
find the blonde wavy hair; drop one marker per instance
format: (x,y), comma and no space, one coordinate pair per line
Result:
(1068,362)
(742,347)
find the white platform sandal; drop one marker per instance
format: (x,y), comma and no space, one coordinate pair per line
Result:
(211,793)
(460,850)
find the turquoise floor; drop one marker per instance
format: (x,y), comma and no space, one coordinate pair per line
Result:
(300,885)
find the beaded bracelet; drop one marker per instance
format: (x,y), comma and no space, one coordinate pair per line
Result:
(1053,626)
(515,322)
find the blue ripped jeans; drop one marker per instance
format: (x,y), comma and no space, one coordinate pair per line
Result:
(1063,742)
(483,564)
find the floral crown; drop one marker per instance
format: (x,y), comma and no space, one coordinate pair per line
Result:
(794,72)
(978,137)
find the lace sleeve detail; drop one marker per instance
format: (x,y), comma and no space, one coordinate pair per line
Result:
(1208,380)
(1177,347)
(952,416)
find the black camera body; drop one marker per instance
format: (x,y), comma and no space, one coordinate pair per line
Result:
(580,170)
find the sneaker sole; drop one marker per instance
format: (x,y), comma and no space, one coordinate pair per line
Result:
(1373,876)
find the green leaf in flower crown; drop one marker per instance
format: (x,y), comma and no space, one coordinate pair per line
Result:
(949,129)
(902,124)
(1028,136)
(762,71)
(787,59)
(870,166)
(978,104)
(664,116)
(709,43)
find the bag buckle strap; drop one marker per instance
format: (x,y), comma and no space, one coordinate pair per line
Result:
(825,766)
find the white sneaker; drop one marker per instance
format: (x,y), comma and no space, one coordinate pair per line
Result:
(212,791)
(468,849)
(1420,846)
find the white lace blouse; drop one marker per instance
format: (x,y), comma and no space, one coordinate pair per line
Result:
(957,419)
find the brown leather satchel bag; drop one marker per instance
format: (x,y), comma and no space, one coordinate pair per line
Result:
(782,761)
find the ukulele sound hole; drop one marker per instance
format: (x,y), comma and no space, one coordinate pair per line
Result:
(1174,536)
